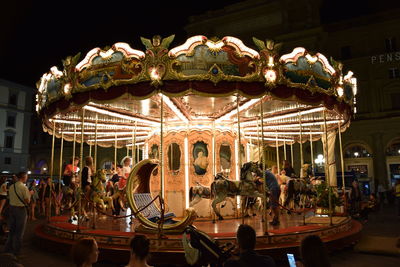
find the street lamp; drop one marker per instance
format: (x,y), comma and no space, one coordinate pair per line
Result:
(319,161)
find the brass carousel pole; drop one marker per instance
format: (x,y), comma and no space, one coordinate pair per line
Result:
(73,149)
(95,144)
(115,152)
(161,222)
(90,148)
(264,218)
(291,154)
(134,144)
(162,148)
(51,170)
(138,153)
(259,143)
(213,145)
(81,167)
(301,145)
(95,168)
(61,159)
(342,165)
(312,151)
(284,150)
(277,153)
(327,177)
(243,205)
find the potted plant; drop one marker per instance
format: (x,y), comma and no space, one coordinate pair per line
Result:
(322,202)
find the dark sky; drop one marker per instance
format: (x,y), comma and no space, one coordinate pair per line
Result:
(35,35)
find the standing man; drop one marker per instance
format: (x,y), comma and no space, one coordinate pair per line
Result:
(19,201)
(274,192)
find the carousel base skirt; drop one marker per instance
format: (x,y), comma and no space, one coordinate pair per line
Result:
(113,235)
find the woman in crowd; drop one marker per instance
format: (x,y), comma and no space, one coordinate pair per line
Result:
(34,190)
(40,202)
(3,194)
(47,193)
(85,252)
(70,170)
(288,168)
(87,173)
(140,248)
(313,252)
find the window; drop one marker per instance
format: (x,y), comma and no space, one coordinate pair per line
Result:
(345,52)
(9,141)
(7,160)
(390,44)
(357,151)
(394,73)
(11,121)
(13,98)
(395,100)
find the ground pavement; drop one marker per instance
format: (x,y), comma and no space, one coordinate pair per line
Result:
(381,223)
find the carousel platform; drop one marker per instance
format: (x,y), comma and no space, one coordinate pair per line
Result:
(113,235)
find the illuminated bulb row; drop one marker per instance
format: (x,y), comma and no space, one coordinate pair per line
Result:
(295,114)
(110,126)
(171,105)
(233,112)
(120,116)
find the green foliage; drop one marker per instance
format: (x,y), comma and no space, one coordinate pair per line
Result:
(323,191)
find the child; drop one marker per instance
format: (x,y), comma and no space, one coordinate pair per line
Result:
(34,190)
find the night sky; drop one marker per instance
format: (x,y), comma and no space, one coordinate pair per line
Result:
(36,35)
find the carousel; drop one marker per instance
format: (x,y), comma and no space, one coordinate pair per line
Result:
(196,120)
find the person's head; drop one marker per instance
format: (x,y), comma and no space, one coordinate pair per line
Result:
(75,161)
(48,180)
(286,164)
(140,247)
(127,161)
(3,179)
(119,169)
(200,154)
(283,172)
(22,177)
(274,169)
(89,161)
(33,183)
(246,237)
(85,251)
(313,252)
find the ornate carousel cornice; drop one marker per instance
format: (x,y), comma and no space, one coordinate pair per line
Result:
(202,66)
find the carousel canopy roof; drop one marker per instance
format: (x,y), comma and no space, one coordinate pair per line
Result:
(202,84)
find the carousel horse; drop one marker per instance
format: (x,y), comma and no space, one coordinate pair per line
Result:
(119,194)
(197,193)
(222,189)
(98,192)
(300,191)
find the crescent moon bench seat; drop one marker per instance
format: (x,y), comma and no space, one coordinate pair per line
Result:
(152,212)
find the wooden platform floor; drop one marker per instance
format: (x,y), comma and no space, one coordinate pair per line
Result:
(226,227)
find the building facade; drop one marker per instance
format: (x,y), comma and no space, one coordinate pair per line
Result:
(16,110)
(368,44)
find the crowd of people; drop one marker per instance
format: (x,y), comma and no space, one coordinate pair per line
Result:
(21,200)
(312,252)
